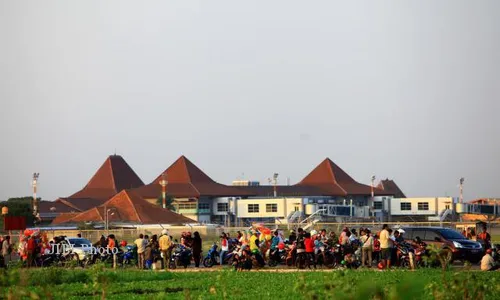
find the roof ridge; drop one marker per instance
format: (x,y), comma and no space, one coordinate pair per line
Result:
(98,212)
(64,201)
(184,160)
(132,203)
(194,187)
(329,165)
(112,174)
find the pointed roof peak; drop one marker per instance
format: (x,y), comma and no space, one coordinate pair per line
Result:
(128,207)
(112,176)
(184,171)
(327,172)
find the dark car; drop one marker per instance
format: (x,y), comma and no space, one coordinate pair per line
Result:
(451,241)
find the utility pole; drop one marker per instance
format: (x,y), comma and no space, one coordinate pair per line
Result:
(163,183)
(35,201)
(373,191)
(461,199)
(275,182)
(462,190)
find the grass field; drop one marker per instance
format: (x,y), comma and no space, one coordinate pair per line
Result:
(97,283)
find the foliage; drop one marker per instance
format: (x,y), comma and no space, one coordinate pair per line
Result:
(21,206)
(226,284)
(169,202)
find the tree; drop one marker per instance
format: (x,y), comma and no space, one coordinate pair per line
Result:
(169,200)
(20,206)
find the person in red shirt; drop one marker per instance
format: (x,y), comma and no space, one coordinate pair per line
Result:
(309,243)
(484,238)
(30,247)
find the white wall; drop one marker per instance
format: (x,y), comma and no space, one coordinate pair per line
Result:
(436,206)
(284,207)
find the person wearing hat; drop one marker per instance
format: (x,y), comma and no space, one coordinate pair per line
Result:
(488,263)
(165,247)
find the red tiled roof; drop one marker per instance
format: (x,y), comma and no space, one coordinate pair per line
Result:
(187,180)
(63,218)
(82,204)
(55,207)
(331,180)
(128,207)
(113,176)
(391,187)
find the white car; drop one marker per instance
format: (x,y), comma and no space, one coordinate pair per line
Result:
(79,246)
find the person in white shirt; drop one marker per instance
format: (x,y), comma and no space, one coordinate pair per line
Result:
(385,245)
(366,248)
(141,246)
(488,263)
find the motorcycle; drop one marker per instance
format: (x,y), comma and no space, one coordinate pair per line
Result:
(213,256)
(404,251)
(277,256)
(181,257)
(127,255)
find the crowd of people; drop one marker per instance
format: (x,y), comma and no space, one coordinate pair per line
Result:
(257,247)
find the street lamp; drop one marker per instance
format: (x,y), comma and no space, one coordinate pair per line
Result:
(275,182)
(107,212)
(35,202)
(163,183)
(462,190)
(373,191)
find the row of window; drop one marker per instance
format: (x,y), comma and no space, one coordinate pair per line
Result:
(420,206)
(255,208)
(404,205)
(193,206)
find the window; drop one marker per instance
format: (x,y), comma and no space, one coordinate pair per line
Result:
(405,205)
(431,235)
(187,206)
(423,205)
(203,206)
(296,208)
(272,207)
(408,235)
(418,233)
(377,204)
(447,206)
(253,208)
(222,207)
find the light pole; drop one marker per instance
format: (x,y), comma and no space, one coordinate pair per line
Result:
(106,217)
(163,183)
(462,190)
(275,182)
(35,201)
(373,191)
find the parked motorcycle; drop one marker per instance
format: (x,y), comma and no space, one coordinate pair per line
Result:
(181,257)
(277,256)
(213,256)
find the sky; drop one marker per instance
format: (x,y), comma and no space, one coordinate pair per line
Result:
(406,90)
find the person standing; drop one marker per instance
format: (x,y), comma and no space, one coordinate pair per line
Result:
(196,248)
(293,237)
(165,247)
(139,243)
(31,247)
(366,248)
(224,247)
(484,238)
(385,246)
(6,250)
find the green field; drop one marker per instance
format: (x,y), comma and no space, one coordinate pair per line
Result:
(97,283)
